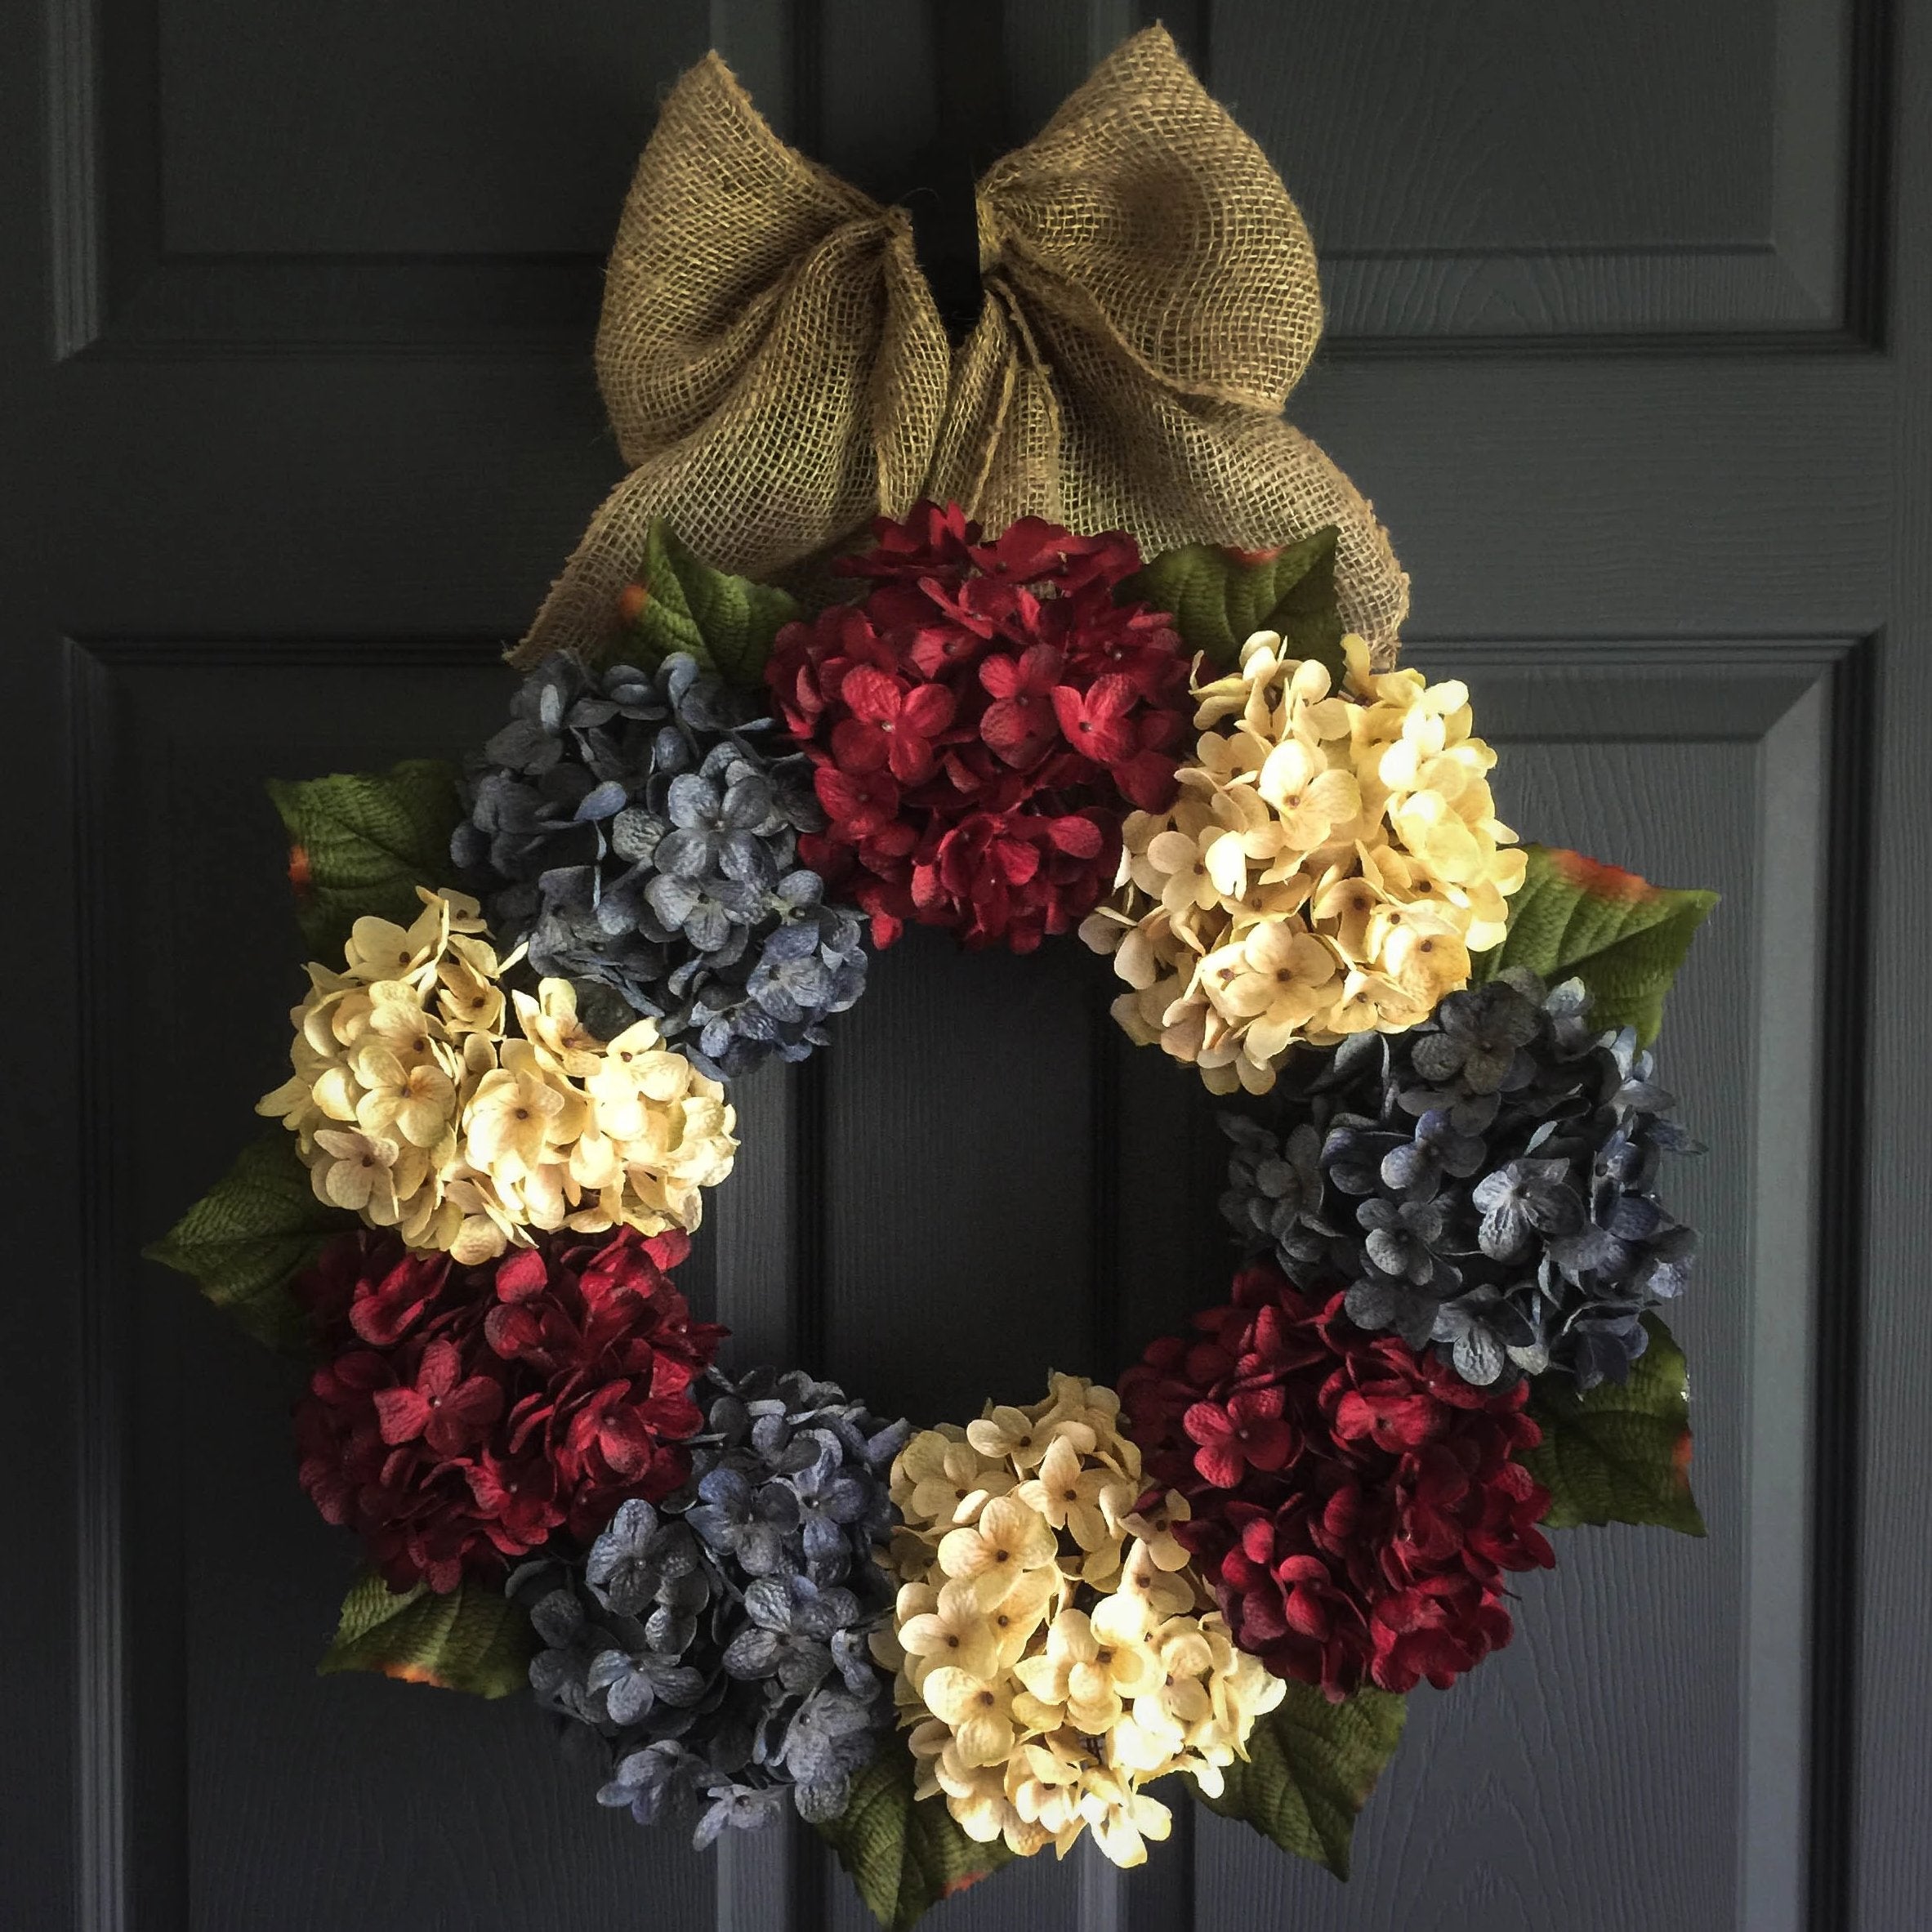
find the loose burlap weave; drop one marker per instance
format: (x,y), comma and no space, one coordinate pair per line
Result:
(777,373)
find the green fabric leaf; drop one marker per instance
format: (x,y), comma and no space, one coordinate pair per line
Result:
(361,842)
(904,1854)
(472,1638)
(1618,1455)
(1310,1767)
(679,603)
(1220,598)
(247,1238)
(1621,936)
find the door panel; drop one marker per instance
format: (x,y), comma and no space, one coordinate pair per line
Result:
(1631,342)
(1642,169)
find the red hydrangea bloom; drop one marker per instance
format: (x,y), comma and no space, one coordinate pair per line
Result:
(1355,1506)
(464,1415)
(979,723)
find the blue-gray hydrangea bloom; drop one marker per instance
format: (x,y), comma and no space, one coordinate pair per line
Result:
(1483,1183)
(717,1643)
(639,830)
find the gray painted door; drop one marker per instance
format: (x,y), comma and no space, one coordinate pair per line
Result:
(1631,341)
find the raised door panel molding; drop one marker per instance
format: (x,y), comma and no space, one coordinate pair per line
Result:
(427,175)
(1657,1745)
(265,181)
(226,1784)
(1638,170)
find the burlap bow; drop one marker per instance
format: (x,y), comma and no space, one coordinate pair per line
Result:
(777,372)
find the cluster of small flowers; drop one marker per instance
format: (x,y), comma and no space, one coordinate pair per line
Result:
(1355,1506)
(1053,1649)
(631,828)
(1332,862)
(977,722)
(1486,1182)
(461,1416)
(718,1644)
(413,1108)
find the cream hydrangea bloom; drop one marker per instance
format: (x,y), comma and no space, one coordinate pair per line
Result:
(1332,861)
(1053,1649)
(414,1107)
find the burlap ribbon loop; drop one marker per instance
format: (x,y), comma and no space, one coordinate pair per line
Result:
(777,373)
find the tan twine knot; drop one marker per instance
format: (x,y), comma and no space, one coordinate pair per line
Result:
(777,373)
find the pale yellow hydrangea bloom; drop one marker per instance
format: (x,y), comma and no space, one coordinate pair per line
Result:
(1332,860)
(1053,1646)
(414,1107)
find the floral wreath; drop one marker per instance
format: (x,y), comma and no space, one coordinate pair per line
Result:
(948,1645)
